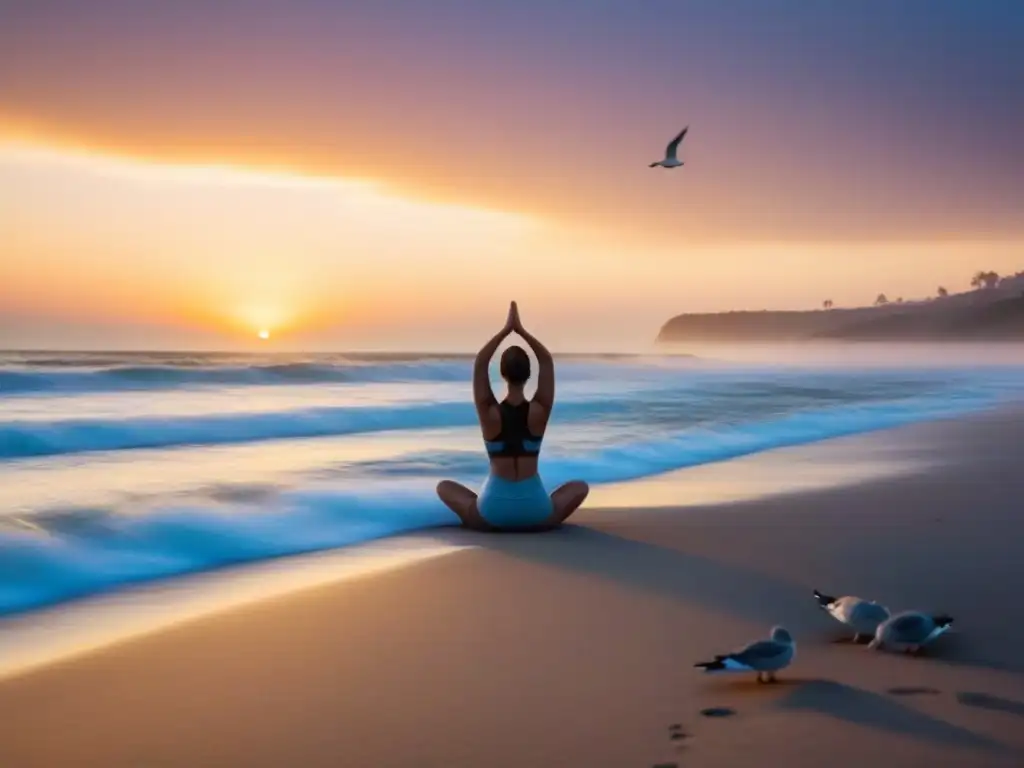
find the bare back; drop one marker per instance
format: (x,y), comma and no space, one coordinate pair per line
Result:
(513,468)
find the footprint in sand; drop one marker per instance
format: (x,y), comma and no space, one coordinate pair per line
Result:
(718,712)
(676,735)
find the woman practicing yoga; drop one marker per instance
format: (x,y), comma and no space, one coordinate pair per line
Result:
(513,497)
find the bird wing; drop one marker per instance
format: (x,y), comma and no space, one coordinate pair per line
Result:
(912,628)
(757,653)
(670,150)
(865,611)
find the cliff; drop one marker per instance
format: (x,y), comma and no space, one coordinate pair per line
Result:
(983,315)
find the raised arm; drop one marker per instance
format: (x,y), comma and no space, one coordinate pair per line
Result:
(483,395)
(545,395)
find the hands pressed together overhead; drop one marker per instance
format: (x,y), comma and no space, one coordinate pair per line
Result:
(513,323)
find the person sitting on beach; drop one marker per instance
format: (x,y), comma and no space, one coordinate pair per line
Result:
(513,497)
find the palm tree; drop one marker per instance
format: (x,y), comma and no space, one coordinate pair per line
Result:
(882,300)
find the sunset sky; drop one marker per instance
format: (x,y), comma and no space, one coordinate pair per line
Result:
(387,174)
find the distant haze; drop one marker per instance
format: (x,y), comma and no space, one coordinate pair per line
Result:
(388,175)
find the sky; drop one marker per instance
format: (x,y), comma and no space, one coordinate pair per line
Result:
(388,174)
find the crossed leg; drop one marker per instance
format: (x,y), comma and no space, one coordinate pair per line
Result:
(565,500)
(462,501)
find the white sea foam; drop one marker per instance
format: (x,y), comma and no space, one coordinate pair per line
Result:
(137,493)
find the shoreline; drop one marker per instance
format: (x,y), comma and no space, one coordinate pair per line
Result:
(807,436)
(832,463)
(576,647)
(34,639)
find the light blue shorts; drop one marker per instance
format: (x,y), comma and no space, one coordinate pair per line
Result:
(513,504)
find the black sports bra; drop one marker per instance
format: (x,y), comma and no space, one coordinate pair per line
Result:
(515,438)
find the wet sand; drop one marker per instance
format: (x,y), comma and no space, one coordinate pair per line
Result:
(576,648)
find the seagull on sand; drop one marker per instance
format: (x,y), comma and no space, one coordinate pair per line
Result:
(671,161)
(862,616)
(766,657)
(909,631)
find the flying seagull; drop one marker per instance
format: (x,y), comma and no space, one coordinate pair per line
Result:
(909,631)
(862,616)
(671,161)
(766,657)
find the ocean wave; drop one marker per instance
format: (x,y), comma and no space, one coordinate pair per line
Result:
(37,439)
(641,409)
(692,446)
(39,374)
(28,381)
(73,373)
(25,439)
(80,553)
(64,554)
(615,421)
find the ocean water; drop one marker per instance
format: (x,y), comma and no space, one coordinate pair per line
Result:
(122,468)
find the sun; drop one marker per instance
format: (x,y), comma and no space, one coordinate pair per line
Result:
(264,334)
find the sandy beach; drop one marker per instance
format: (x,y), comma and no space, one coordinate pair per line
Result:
(576,648)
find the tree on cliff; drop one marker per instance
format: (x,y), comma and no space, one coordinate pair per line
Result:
(882,300)
(942,292)
(984,279)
